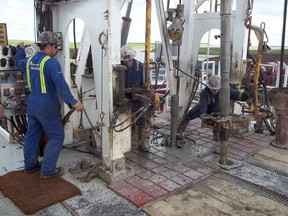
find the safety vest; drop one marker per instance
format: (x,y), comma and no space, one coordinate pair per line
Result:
(41,71)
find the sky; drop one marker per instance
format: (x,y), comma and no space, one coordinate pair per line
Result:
(19,16)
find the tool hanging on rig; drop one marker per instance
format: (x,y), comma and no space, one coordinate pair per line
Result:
(175,29)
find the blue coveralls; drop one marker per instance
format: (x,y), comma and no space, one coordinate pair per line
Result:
(134,79)
(209,103)
(44,108)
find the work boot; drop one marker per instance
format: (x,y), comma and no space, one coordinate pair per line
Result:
(259,127)
(59,171)
(181,128)
(216,135)
(143,145)
(34,169)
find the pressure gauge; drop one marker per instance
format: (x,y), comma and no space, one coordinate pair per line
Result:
(30,51)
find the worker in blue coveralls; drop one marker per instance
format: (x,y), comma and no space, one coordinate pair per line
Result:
(209,103)
(46,83)
(134,79)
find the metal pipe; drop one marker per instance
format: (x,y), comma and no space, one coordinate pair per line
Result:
(126,24)
(147,43)
(174,117)
(225,57)
(283,44)
(224,95)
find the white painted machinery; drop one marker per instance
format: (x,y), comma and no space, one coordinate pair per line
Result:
(94,71)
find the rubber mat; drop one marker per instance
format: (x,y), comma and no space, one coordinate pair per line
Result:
(31,194)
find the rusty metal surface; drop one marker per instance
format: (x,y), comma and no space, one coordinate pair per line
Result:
(279,98)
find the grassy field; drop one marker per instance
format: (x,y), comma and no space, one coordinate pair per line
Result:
(202,50)
(214,50)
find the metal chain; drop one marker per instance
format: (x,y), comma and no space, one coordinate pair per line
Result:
(248,18)
(262,26)
(168,4)
(94,127)
(102,114)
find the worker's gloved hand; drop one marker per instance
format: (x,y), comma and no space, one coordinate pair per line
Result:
(78,106)
(250,94)
(246,96)
(140,98)
(21,45)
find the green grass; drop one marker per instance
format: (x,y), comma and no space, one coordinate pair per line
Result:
(213,50)
(16,42)
(202,50)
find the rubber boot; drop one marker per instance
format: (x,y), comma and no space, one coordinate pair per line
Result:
(216,135)
(259,127)
(143,145)
(181,128)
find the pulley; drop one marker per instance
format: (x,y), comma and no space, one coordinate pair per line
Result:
(175,30)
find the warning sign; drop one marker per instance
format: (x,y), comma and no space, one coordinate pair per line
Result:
(3,35)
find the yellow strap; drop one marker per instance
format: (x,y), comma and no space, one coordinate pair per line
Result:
(240,95)
(42,78)
(28,73)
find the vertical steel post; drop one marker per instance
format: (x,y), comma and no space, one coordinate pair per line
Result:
(174,118)
(283,44)
(126,24)
(225,55)
(147,43)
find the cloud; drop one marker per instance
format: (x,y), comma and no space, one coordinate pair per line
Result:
(19,16)
(271,14)
(137,27)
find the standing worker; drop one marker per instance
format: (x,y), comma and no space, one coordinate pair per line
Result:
(209,103)
(134,79)
(46,82)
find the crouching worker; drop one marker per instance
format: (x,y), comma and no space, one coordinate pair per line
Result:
(209,103)
(134,80)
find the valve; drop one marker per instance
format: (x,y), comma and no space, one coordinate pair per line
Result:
(11,62)
(18,75)
(3,62)
(26,90)
(18,90)
(13,50)
(4,75)
(6,92)
(14,103)
(5,51)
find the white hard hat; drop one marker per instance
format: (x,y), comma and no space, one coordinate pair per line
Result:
(214,82)
(127,53)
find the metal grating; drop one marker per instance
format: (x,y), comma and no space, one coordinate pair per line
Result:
(55,210)
(252,187)
(266,167)
(7,207)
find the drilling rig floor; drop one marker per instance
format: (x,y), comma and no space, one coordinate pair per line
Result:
(183,180)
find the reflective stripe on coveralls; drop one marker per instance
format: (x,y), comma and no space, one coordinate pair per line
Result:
(28,73)
(42,78)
